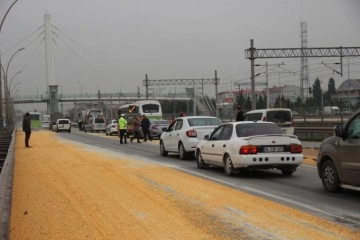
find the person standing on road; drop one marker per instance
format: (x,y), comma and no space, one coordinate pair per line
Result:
(136,130)
(240,114)
(145,125)
(27,128)
(123,128)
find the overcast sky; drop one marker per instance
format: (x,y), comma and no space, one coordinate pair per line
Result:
(110,45)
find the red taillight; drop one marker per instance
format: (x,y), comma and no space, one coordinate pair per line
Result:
(191,133)
(264,118)
(155,127)
(295,148)
(248,149)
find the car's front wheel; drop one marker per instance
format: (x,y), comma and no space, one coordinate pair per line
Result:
(329,177)
(228,166)
(163,152)
(200,161)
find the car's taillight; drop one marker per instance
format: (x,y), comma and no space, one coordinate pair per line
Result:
(155,127)
(264,118)
(295,148)
(248,149)
(191,133)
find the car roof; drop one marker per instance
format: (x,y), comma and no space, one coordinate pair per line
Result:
(269,110)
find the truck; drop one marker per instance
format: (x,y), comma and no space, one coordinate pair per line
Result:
(86,114)
(331,110)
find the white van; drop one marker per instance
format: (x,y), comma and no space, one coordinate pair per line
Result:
(281,116)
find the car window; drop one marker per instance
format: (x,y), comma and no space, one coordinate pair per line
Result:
(354,128)
(99,120)
(253,117)
(278,116)
(178,124)
(172,126)
(63,121)
(250,129)
(216,134)
(193,122)
(226,132)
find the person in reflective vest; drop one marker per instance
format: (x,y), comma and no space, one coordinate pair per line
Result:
(122,129)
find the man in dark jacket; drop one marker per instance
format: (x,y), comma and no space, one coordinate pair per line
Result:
(240,114)
(27,128)
(145,126)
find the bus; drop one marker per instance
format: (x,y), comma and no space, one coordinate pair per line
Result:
(150,108)
(35,120)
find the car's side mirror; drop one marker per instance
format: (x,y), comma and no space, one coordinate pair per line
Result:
(339,131)
(207,137)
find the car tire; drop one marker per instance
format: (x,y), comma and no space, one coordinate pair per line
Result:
(329,177)
(288,171)
(69,131)
(228,166)
(182,152)
(200,161)
(106,133)
(163,152)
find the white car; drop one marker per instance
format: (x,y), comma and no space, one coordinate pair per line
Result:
(184,134)
(112,128)
(62,125)
(250,145)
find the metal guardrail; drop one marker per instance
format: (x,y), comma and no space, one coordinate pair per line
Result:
(7,145)
(314,133)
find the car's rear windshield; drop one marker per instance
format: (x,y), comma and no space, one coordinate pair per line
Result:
(64,121)
(278,116)
(253,117)
(250,129)
(99,120)
(194,122)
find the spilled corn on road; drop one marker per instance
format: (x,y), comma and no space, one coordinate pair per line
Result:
(68,191)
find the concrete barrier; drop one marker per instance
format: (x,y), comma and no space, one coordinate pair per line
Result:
(7,143)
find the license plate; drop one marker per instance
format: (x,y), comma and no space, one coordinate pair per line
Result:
(274,149)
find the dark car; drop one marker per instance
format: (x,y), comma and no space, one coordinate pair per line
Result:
(338,160)
(156,127)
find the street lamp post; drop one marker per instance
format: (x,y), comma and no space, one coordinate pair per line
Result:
(1,98)
(6,87)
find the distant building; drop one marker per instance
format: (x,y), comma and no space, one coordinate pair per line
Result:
(348,92)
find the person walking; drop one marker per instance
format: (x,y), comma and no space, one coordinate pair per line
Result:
(240,114)
(136,130)
(122,129)
(145,125)
(27,128)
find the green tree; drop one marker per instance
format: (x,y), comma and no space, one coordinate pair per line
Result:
(261,103)
(317,92)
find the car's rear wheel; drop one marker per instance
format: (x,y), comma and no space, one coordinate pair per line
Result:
(163,152)
(329,177)
(182,152)
(200,161)
(228,166)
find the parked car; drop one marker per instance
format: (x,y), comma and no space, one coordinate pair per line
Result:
(184,134)
(338,161)
(157,126)
(250,145)
(45,124)
(95,125)
(62,124)
(112,128)
(282,117)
